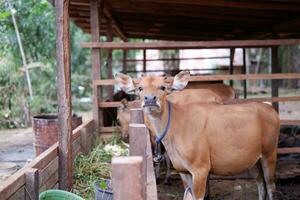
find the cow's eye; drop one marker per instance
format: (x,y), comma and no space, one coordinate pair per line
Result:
(163,88)
(140,89)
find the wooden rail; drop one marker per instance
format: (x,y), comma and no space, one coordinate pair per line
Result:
(42,172)
(189,44)
(218,78)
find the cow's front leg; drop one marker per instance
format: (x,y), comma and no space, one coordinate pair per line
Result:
(199,183)
(187,180)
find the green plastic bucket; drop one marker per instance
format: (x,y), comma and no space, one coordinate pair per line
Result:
(58,195)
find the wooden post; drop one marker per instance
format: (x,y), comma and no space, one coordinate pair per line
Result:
(136,116)
(64,94)
(231,63)
(127,178)
(244,72)
(96,64)
(144,60)
(85,141)
(275,69)
(32,183)
(138,135)
(125,61)
(109,57)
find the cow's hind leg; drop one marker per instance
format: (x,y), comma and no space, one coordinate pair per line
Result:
(268,166)
(260,181)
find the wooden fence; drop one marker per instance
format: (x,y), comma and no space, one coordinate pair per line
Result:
(133,176)
(42,173)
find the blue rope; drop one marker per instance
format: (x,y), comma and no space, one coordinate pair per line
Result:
(159,138)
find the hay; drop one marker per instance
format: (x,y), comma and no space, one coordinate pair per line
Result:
(91,168)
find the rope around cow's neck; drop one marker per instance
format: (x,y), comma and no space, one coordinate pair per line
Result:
(161,136)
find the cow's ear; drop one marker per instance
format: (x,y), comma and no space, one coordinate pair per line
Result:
(125,83)
(181,80)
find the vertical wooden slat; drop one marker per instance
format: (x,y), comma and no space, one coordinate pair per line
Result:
(232,50)
(96,65)
(144,60)
(127,178)
(64,94)
(275,69)
(125,61)
(109,57)
(32,183)
(244,72)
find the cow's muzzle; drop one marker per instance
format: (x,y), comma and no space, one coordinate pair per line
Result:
(150,101)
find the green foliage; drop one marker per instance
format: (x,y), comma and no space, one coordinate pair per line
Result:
(36,24)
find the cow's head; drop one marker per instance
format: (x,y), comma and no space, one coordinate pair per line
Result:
(152,90)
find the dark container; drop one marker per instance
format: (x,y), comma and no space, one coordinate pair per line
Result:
(104,192)
(45,129)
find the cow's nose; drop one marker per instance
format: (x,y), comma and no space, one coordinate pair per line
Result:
(150,99)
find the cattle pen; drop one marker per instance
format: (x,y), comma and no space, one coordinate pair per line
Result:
(165,24)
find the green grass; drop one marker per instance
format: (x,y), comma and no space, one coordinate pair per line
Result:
(96,165)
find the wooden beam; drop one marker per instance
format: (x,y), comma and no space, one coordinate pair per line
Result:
(288,150)
(232,4)
(64,96)
(96,64)
(219,77)
(190,45)
(275,69)
(290,122)
(264,99)
(116,26)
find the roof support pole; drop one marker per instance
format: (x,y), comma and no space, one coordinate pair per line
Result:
(232,50)
(64,96)
(244,72)
(109,57)
(96,64)
(275,69)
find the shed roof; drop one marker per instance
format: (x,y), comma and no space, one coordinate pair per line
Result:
(195,19)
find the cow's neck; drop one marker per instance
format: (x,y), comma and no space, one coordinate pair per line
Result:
(159,121)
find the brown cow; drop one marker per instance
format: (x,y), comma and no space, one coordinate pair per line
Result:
(203,138)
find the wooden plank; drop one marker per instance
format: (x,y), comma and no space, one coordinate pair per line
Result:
(264,99)
(218,77)
(32,183)
(124,61)
(189,44)
(110,89)
(177,59)
(18,195)
(48,171)
(288,150)
(127,178)
(110,129)
(50,183)
(290,122)
(136,116)
(96,64)
(88,124)
(76,145)
(64,94)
